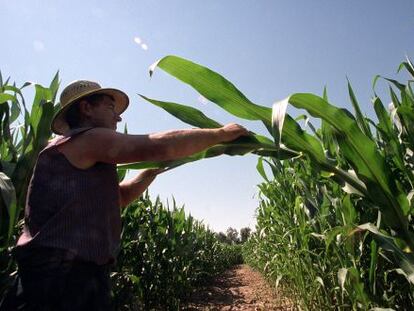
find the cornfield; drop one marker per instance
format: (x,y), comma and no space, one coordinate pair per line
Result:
(164,252)
(335,220)
(23,134)
(334,225)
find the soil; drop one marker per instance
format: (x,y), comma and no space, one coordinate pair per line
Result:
(239,288)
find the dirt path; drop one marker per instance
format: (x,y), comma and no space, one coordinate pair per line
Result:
(239,288)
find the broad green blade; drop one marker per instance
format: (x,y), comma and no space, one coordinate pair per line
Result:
(405,260)
(363,155)
(219,90)
(327,134)
(54,86)
(390,138)
(363,124)
(260,169)
(328,139)
(4,97)
(214,87)
(408,67)
(214,151)
(8,197)
(281,154)
(405,114)
(373,265)
(196,118)
(240,146)
(298,140)
(186,114)
(42,96)
(43,130)
(348,211)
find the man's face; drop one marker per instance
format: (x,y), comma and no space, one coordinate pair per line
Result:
(103,114)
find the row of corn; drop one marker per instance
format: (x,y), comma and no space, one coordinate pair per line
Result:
(164,253)
(167,254)
(335,224)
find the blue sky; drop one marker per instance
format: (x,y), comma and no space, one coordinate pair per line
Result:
(268,49)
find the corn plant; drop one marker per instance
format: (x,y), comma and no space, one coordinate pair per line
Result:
(164,255)
(23,134)
(306,240)
(370,161)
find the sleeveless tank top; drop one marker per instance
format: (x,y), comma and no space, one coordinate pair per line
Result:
(73,209)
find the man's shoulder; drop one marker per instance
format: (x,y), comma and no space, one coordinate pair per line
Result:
(97,132)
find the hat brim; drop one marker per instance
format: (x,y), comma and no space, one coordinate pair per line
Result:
(59,124)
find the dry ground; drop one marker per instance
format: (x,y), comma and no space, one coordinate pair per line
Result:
(240,288)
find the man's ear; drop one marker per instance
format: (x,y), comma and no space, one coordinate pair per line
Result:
(85,108)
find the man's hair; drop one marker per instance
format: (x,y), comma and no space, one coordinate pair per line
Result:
(73,115)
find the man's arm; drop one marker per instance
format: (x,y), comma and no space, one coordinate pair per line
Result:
(133,188)
(180,144)
(105,145)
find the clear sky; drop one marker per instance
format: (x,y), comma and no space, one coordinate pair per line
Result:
(268,49)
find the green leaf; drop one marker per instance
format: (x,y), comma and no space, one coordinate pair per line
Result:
(219,90)
(373,265)
(8,195)
(4,98)
(280,154)
(348,211)
(405,260)
(15,111)
(364,157)
(357,285)
(390,138)
(186,114)
(239,146)
(362,123)
(214,87)
(42,96)
(260,169)
(54,86)
(43,129)
(408,65)
(374,83)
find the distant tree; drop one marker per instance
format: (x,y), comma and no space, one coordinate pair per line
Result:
(232,235)
(222,237)
(245,234)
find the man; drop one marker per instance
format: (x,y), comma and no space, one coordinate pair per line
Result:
(72,218)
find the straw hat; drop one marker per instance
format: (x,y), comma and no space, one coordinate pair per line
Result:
(81,88)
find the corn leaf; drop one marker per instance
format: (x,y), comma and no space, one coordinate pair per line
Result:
(405,260)
(186,114)
(362,123)
(8,197)
(214,87)
(363,155)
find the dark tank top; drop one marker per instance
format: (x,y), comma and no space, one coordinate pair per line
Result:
(72,209)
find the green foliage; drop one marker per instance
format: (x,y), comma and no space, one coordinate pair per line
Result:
(23,134)
(343,235)
(165,254)
(308,239)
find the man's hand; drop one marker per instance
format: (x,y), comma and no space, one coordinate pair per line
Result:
(131,189)
(232,131)
(151,173)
